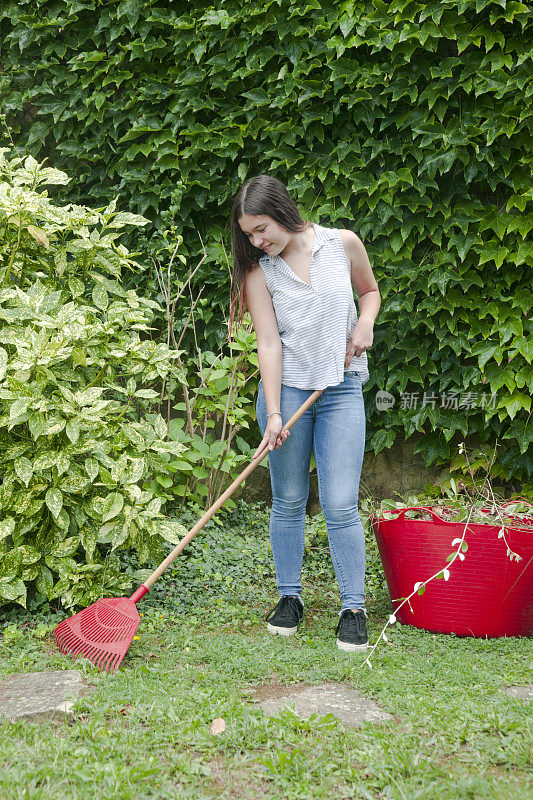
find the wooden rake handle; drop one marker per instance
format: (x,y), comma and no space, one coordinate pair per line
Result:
(218,503)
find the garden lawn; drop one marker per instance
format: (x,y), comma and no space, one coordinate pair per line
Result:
(145,731)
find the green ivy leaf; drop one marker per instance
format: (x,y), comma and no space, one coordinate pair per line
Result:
(382,439)
(513,403)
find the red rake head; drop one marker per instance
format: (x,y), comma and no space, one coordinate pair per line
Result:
(101,633)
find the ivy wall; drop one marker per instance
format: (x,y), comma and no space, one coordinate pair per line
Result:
(407,122)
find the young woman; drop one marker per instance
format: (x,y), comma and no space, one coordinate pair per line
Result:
(296,280)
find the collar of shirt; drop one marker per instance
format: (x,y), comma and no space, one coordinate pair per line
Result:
(322,235)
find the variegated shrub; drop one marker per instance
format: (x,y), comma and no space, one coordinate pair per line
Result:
(78,446)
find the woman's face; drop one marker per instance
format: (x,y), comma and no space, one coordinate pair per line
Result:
(264,233)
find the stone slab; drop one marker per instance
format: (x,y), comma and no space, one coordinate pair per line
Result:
(521,692)
(344,703)
(40,695)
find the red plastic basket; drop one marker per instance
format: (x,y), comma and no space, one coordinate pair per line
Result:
(487,594)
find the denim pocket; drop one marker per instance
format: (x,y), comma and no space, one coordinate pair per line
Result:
(353,376)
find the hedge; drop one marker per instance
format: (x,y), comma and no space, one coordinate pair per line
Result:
(407,122)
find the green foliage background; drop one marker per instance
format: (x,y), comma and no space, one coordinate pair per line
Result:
(79,448)
(408,122)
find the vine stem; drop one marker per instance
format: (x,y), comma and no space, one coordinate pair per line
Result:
(501,532)
(392,618)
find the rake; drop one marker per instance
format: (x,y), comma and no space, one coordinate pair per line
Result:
(103,632)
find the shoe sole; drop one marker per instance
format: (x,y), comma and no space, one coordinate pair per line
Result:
(276,629)
(351,648)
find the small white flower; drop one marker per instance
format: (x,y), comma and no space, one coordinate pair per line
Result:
(446,573)
(392,619)
(456,541)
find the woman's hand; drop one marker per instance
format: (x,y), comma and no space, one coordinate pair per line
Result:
(360,341)
(274,436)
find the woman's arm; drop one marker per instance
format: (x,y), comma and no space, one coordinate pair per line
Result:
(269,353)
(364,283)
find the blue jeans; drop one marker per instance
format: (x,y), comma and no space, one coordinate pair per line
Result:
(333,427)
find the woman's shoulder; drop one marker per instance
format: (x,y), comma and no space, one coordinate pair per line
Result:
(255,274)
(348,236)
(256,281)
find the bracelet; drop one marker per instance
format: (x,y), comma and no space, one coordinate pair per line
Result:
(272,414)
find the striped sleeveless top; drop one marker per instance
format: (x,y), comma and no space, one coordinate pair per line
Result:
(315,321)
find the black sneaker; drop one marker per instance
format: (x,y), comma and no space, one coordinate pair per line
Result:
(351,630)
(285,616)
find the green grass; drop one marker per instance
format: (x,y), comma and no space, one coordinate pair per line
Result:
(145,732)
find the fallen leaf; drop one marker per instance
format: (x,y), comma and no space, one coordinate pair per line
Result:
(218,726)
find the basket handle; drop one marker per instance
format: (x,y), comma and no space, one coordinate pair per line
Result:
(401,513)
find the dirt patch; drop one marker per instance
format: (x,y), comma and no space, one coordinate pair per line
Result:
(272,688)
(273,691)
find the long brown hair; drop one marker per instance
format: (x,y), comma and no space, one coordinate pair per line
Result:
(260,195)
